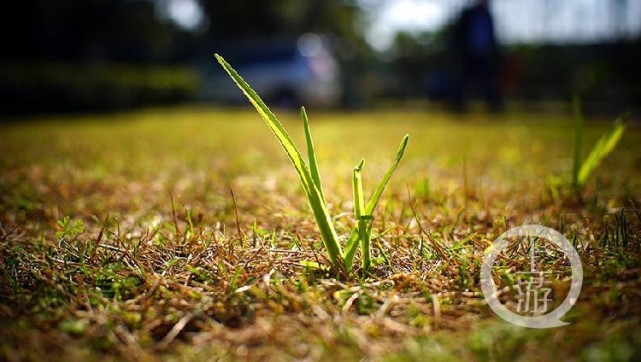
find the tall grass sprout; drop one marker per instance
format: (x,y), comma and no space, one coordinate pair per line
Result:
(310,179)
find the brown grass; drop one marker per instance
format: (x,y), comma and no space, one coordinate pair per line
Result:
(167,264)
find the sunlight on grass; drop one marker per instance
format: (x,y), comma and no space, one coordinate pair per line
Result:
(119,236)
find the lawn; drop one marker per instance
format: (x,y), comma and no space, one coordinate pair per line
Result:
(179,234)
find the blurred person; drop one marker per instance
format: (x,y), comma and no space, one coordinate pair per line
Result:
(478,56)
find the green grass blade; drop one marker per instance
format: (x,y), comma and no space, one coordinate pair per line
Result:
(603,147)
(316,200)
(364,220)
(311,153)
(578,141)
(274,125)
(350,248)
(364,229)
(356,235)
(371,205)
(357,186)
(359,212)
(365,217)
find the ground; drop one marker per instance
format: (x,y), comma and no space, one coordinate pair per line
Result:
(179,233)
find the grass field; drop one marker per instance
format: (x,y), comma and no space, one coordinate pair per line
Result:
(120,238)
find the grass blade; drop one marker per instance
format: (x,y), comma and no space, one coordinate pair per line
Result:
(350,248)
(311,153)
(359,212)
(371,205)
(364,220)
(363,231)
(316,199)
(357,186)
(603,147)
(578,141)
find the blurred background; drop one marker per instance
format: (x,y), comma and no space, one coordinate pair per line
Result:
(104,55)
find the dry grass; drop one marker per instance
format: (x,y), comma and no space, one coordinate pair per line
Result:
(158,260)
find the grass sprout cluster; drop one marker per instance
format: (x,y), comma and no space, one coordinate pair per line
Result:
(340,259)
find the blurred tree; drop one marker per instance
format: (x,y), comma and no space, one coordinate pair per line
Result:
(133,31)
(67,41)
(79,55)
(235,19)
(85,31)
(410,60)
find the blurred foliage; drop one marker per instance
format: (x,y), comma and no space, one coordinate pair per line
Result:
(233,19)
(597,72)
(601,73)
(132,30)
(75,55)
(86,31)
(62,55)
(47,87)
